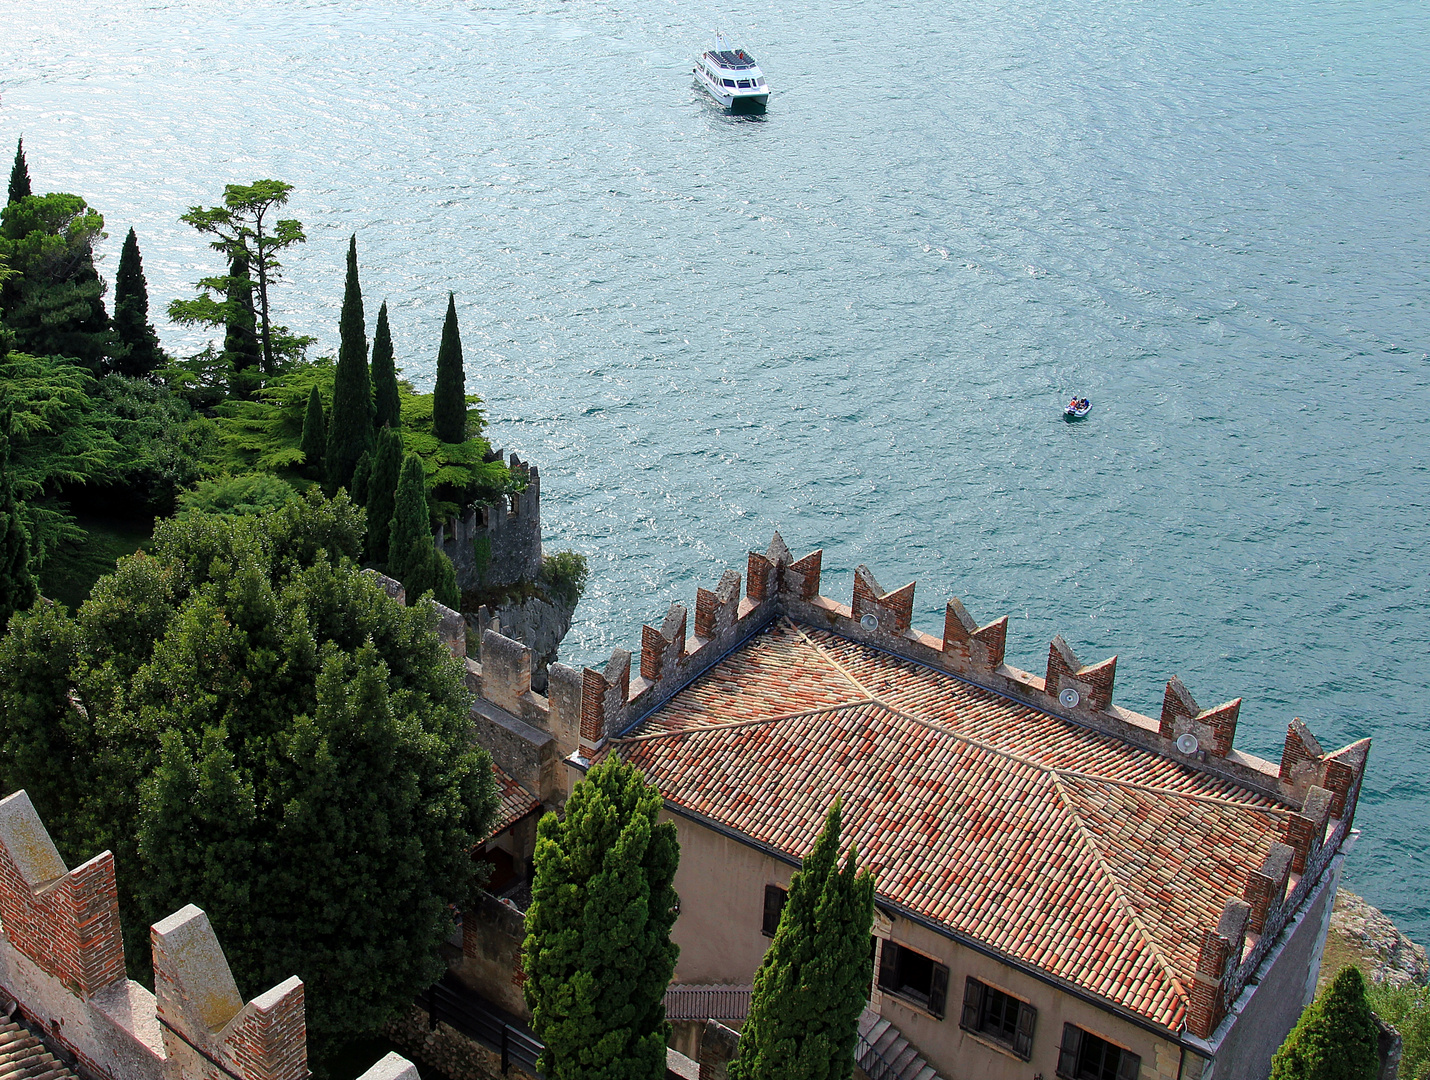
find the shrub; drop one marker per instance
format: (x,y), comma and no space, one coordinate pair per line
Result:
(564,574)
(1336,1037)
(251,494)
(1407,1009)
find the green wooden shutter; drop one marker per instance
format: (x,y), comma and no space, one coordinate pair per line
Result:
(938,993)
(972,1004)
(1067,1053)
(1130,1067)
(1023,1038)
(889,966)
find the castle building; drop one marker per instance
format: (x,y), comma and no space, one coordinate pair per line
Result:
(1065,888)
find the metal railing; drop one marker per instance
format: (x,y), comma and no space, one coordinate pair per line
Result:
(474,1016)
(707,1002)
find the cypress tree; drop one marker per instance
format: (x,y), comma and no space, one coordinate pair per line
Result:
(19,174)
(315,436)
(449,396)
(814,980)
(350,426)
(384,376)
(413,558)
(17,587)
(240,341)
(137,345)
(598,955)
(1336,1037)
(362,477)
(382,493)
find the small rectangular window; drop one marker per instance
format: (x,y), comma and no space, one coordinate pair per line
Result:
(1083,1056)
(775,898)
(999,1016)
(914,976)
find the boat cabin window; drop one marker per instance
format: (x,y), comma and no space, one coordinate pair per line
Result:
(728,82)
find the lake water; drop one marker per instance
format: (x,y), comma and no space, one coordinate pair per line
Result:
(856,318)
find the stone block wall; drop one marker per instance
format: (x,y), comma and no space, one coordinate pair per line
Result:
(495,547)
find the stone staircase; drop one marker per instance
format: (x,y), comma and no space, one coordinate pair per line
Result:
(884,1054)
(24,1057)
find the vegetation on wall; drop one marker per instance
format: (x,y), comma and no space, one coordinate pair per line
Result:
(1407,1009)
(598,955)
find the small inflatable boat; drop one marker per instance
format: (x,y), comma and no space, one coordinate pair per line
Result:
(1077,409)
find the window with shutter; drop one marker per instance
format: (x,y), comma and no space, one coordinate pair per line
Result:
(972,1004)
(938,994)
(1130,1067)
(775,898)
(1027,1021)
(1069,1052)
(889,967)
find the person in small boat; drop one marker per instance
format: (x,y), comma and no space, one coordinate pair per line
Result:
(1074,404)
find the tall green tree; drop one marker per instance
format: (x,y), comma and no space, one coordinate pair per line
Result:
(136,345)
(350,425)
(250,724)
(413,558)
(315,435)
(17,587)
(55,301)
(362,477)
(598,955)
(19,174)
(382,493)
(387,398)
(814,980)
(449,396)
(238,226)
(1336,1037)
(240,339)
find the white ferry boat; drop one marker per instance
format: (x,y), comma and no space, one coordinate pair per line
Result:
(732,78)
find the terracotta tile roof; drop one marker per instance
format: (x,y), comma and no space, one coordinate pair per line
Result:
(516,802)
(24,1057)
(1097,861)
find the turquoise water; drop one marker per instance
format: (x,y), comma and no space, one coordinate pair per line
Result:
(856,319)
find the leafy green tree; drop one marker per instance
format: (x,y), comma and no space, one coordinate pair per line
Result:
(250,724)
(315,435)
(1336,1037)
(55,301)
(350,424)
(19,174)
(449,396)
(387,398)
(382,493)
(1407,1009)
(17,587)
(598,955)
(413,558)
(255,493)
(814,980)
(238,226)
(136,347)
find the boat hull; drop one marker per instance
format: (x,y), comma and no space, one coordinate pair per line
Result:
(740,102)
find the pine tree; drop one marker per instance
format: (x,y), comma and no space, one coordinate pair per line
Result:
(17,587)
(413,558)
(814,980)
(19,174)
(350,425)
(382,493)
(384,376)
(362,477)
(598,955)
(1336,1037)
(449,396)
(136,344)
(240,340)
(315,435)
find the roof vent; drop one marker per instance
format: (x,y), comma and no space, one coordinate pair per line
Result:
(1069,698)
(1187,743)
(869,622)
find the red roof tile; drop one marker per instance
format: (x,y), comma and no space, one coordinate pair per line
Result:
(1092,859)
(516,802)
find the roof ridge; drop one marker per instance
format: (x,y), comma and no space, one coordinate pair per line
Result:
(752,722)
(1194,796)
(835,664)
(1111,881)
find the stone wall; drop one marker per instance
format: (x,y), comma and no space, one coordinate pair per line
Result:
(492,936)
(496,547)
(448,1051)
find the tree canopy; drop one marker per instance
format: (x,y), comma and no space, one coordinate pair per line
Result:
(449,395)
(350,421)
(814,980)
(136,345)
(252,725)
(17,586)
(598,955)
(19,174)
(1336,1037)
(387,398)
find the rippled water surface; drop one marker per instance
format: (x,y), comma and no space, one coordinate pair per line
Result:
(856,318)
